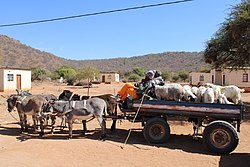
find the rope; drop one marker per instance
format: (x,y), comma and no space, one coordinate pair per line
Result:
(130,130)
(14,117)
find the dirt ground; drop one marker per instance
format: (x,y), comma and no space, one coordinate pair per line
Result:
(55,150)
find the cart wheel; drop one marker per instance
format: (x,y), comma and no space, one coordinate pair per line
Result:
(156,130)
(220,137)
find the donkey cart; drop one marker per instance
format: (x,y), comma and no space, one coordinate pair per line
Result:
(221,122)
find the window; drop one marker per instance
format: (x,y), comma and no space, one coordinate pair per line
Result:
(223,79)
(10,77)
(245,77)
(109,77)
(212,78)
(201,77)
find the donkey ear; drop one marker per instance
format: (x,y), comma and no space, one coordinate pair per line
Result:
(17,91)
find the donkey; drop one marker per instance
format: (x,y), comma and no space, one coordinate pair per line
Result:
(82,110)
(67,95)
(48,97)
(28,105)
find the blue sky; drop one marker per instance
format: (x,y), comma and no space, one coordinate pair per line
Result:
(177,27)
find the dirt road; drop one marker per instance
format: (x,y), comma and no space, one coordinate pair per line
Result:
(57,151)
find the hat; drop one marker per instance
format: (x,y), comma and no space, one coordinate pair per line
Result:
(150,74)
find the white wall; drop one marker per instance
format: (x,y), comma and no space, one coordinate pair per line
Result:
(110,77)
(236,77)
(12,85)
(195,77)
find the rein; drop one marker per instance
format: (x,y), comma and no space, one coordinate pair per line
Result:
(17,101)
(130,129)
(70,98)
(90,119)
(14,117)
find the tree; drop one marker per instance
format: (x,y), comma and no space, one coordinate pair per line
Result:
(88,73)
(175,77)
(166,75)
(37,73)
(136,74)
(139,71)
(230,45)
(69,73)
(127,74)
(134,78)
(183,75)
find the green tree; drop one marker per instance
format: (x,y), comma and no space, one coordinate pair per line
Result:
(127,74)
(139,71)
(136,74)
(88,73)
(69,73)
(37,73)
(175,77)
(166,75)
(230,45)
(134,77)
(183,75)
(204,70)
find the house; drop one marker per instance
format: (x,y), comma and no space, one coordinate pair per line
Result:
(108,77)
(226,76)
(14,78)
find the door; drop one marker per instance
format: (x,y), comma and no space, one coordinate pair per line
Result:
(103,78)
(18,82)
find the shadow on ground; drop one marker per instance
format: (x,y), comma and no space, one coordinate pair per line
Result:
(136,139)
(235,159)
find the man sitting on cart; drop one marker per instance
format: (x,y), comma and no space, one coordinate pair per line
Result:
(137,90)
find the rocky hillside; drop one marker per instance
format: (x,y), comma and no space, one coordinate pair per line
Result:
(15,54)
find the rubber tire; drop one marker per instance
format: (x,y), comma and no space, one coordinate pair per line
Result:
(224,128)
(153,127)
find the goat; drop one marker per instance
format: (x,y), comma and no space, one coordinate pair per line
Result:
(231,92)
(188,95)
(223,99)
(169,92)
(208,96)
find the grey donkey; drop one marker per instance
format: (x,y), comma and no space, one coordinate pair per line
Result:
(28,105)
(82,110)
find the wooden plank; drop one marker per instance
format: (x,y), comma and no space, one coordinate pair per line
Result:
(189,114)
(220,111)
(188,108)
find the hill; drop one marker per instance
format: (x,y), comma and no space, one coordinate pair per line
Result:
(16,54)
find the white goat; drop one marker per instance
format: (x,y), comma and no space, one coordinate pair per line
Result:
(216,88)
(194,90)
(169,92)
(200,94)
(188,95)
(208,96)
(223,99)
(232,92)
